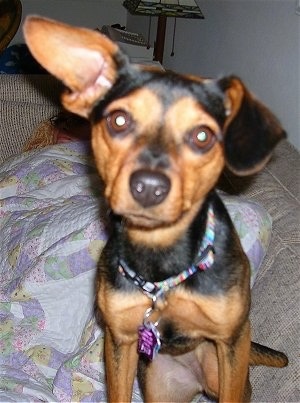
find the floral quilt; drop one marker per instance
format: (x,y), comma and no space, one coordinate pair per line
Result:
(52,233)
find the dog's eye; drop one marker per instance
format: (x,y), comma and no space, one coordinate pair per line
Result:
(201,138)
(118,122)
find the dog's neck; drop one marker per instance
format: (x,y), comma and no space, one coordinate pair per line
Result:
(204,261)
(156,263)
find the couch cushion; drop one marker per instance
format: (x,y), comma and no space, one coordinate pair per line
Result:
(275,314)
(25,101)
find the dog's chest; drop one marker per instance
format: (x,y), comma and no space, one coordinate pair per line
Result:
(182,318)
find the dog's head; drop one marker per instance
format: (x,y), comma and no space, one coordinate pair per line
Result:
(160,140)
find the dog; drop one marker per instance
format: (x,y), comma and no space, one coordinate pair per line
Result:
(173,280)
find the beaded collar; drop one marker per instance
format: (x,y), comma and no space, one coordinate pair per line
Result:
(204,261)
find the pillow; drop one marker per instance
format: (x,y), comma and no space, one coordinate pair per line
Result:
(254,227)
(51,237)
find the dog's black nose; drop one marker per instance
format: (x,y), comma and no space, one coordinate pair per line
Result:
(149,188)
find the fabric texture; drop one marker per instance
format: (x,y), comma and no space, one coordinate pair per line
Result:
(25,101)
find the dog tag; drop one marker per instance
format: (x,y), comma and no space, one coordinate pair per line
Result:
(149,340)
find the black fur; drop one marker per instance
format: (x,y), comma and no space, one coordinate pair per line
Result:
(168,86)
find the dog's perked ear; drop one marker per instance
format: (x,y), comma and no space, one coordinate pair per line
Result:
(84,60)
(251,131)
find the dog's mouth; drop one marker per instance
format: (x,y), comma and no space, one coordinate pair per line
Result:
(150,220)
(141,221)
(157,229)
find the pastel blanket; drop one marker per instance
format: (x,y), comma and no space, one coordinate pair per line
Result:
(52,233)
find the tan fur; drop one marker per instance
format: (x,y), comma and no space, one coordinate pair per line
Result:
(118,158)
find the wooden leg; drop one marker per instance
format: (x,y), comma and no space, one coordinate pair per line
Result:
(234,367)
(120,365)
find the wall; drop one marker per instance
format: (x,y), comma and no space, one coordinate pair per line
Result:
(259,40)
(88,13)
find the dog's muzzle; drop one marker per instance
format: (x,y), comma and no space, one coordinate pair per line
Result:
(149,187)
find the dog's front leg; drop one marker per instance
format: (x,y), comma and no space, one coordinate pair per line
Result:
(121,364)
(233,367)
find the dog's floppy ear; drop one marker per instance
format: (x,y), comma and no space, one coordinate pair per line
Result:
(251,131)
(84,60)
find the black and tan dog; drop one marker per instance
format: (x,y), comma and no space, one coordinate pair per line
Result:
(173,285)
